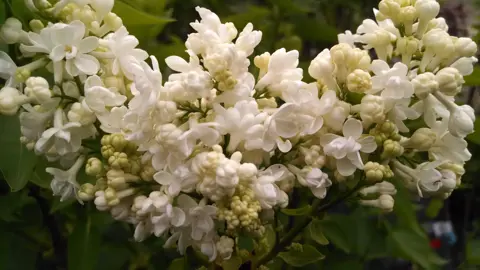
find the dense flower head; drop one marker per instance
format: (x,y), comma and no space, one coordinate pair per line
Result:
(212,144)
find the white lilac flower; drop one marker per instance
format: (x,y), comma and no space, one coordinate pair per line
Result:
(200,216)
(393,83)
(282,69)
(346,150)
(181,180)
(123,49)
(244,123)
(63,136)
(7,69)
(98,97)
(266,190)
(64,183)
(171,217)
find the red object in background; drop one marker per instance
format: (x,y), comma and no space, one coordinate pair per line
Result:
(435,243)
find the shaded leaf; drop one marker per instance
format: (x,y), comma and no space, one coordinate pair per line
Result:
(409,245)
(177,264)
(433,208)
(245,242)
(303,211)
(16,161)
(332,229)
(473,252)
(301,258)
(233,263)
(83,246)
(474,78)
(112,257)
(315,229)
(16,252)
(134,16)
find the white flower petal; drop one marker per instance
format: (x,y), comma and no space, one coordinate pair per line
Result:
(352,128)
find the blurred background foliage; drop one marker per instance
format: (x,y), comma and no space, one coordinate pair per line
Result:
(39,232)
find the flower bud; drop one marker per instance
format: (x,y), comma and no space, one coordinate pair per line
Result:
(449,181)
(461,122)
(36,25)
(102,7)
(37,88)
(465,47)
(390,9)
(424,84)
(93,167)
(113,21)
(426,10)
(11,31)
(118,142)
(118,160)
(450,81)
(373,172)
(392,149)
(10,100)
(386,202)
(372,110)
(422,140)
(359,81)
(86,192)
(465,65)
(81,114)
(225,247)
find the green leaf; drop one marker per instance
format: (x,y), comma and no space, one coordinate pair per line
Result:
(332,229)
(254,14)
(475,136)
(57,205)
(474,78)
(133,16)
(40,177)
(16,161)
(177,264)
(433,208)
(113,257)
(473,252)
(409,245)
(16,252)
(316,233)
(233,263)
(245,242)
(11,203)
(83,246)
(303,211)
(301,258)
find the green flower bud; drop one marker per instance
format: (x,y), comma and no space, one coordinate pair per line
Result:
(118,142)
(422,140)
(86,192)
(107,151)
(391,149)
(119,160)
(106,140)
(374,172)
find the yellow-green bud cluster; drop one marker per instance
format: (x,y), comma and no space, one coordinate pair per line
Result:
(241,211)
(225,80)
(392,149)
(385,131)
(376,172)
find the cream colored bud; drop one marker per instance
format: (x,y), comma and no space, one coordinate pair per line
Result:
(36,25)
(359,81)
(86,192)
(11,31)
(94,166)
(466,47)
(391,149)
(450,81)
(113,21)
(386,202)
(10,100)
(424,84)
(37,88)
(373,172)
(422,140)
